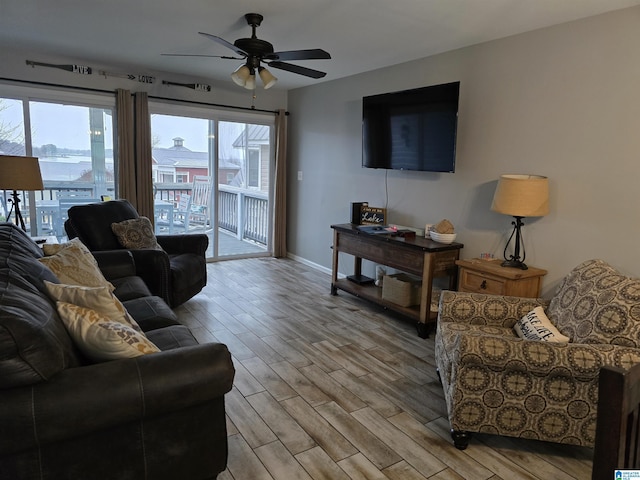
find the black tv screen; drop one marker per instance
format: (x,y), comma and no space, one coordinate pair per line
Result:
(411,129)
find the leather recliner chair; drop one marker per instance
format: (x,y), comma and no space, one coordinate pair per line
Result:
(176,273)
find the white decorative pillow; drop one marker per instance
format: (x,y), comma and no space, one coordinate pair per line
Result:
(73,264)
(136,234)
(101,339)
(536,326)
(100,299)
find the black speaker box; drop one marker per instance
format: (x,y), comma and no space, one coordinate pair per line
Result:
(355,211)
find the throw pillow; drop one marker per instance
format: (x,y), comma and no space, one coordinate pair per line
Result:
(100,299)
(135,234)
(536,326)
(73,264)
(101,339)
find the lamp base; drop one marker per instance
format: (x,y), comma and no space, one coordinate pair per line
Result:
(15,208)
(514,261)
(514,264)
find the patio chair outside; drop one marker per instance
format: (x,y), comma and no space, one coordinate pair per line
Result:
(192,211)
(200,201)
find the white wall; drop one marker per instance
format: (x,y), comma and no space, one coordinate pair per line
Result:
(561,102)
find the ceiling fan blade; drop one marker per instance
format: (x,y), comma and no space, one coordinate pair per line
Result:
(307,72)
(199,55)
(312,54)
(223,42)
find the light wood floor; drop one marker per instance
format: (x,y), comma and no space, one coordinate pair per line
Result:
(332,387)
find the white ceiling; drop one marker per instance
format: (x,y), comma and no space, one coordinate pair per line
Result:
(360,35)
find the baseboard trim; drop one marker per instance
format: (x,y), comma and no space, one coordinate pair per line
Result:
(308,263)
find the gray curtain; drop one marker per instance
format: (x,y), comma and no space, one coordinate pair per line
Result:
(125,145)
(144,179)
(280,206)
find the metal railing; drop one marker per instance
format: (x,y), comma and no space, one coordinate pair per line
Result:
(236,206)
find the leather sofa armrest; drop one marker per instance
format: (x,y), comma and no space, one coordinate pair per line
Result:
(102,396)
(115,263)
(190,243)
(482,309)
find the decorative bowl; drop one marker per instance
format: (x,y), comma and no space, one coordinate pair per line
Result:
(443,237)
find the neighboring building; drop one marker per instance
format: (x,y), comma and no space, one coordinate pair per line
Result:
(178,164)
(256,137)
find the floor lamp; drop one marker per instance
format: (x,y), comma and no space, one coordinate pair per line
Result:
(19,173)
(520,196)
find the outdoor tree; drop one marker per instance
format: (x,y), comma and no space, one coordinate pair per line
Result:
(11,136)
(49,150)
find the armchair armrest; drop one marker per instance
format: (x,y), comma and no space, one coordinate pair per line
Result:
(190,243)
(150,265)
(482,309)
(579,361)
(98,397)
(154,269)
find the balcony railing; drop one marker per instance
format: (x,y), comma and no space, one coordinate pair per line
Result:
(236,207)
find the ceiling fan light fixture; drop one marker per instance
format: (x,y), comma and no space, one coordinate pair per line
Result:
(267,77)
(251,82)
(241,75)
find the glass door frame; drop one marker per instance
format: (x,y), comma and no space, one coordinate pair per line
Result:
(215,116)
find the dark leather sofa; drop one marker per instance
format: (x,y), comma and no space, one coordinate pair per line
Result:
(157,416)
(176,273)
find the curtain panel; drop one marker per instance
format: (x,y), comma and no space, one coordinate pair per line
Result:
(144,160)
(126,156)
(134,151)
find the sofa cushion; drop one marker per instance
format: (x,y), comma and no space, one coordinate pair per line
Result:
(130,287)
(73,264)
(101,338)
(99,299)
(136,233)
(595,303)
(171,337)
(151,313)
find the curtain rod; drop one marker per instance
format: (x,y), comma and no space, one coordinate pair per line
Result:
(111,92)
(194,102)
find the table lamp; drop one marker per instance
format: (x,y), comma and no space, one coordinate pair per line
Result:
(19,173)
(520,196)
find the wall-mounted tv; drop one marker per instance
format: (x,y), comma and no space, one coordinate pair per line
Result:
(411,129)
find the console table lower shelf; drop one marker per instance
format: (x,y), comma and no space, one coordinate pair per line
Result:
(419,256)
(374,295)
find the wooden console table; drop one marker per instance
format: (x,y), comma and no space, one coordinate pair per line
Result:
(419,256)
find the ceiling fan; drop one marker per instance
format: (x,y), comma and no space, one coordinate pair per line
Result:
(256,51)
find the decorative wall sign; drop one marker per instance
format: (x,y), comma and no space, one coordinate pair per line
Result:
(373,216)
(201,87)
(138,78)
(81,69)
(148,79)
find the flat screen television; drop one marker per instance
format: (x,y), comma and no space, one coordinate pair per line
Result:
(412,129)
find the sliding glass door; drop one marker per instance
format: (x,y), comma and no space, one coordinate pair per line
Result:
(72,136)
(213,175)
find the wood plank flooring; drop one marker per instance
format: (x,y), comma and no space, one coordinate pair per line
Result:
(332,387)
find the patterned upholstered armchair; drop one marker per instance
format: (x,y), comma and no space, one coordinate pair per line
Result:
(495,382)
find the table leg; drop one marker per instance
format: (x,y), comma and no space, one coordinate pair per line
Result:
(334,266)
(425,298)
